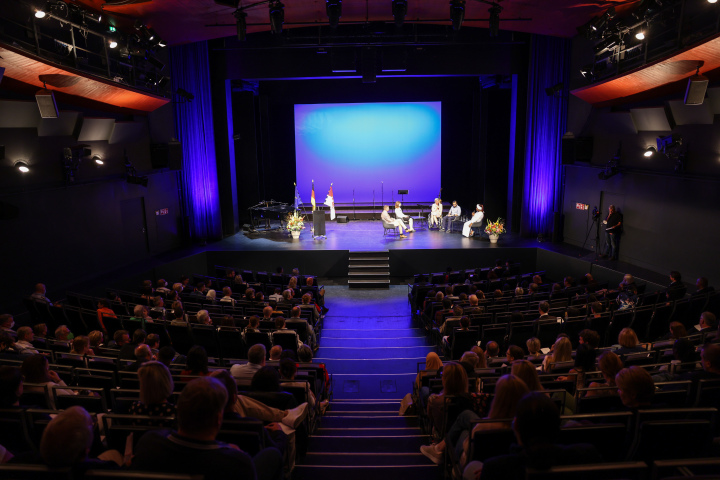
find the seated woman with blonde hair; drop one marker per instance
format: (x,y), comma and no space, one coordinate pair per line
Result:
(629,342)
(561,352)
(609,364)
(455,384)
(156,386)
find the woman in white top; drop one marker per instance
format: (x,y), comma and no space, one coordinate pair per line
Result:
(476,218)
(36,370)
(436,213)
(228,298)
(400,216)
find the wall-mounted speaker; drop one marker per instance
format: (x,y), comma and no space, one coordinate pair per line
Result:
(46,103)
(579,149)
(166,155)
(696,88)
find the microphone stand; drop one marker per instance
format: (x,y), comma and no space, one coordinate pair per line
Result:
(373,210)
(354,217)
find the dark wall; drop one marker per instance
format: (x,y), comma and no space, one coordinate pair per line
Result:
(670,222)
(63,234)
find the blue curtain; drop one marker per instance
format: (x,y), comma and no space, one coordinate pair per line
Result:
(194,124)
(546,124)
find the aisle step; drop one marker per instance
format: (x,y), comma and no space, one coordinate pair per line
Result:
(371,366)
(355,406)
(372,342)
(373,353)
(384,443)
(363,472)
(378,459)
(375,421)
(369,269)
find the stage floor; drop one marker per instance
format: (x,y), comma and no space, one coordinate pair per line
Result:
(363,235)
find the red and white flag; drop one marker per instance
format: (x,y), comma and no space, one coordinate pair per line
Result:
(330,202)
(312,196)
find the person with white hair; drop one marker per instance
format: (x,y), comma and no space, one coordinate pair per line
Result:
(436,213)
(476,218)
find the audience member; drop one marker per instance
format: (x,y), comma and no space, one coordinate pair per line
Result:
(629,343)
(609,364)
(127,350)
(635,387)
(36,369)
(156,386)
(143,354)
(561,352)
(196,362)
(40,330)
(23,344)
(703,287)
(39,294)
(708,322)
(103,311)
(256,360)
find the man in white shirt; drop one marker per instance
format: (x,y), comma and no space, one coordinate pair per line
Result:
(385,215)
(25,337)
(436,213)
(401,216)
(452,215)
(476,218)
(256,360)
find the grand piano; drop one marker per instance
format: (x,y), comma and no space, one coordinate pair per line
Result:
(266,211)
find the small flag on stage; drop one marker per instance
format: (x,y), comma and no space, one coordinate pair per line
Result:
(330,202)
(312,196)
(297,198)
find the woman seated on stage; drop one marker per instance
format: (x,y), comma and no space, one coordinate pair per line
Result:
(399,215)
(476,218)
(436,213)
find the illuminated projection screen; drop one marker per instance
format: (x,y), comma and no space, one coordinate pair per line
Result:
(368,146)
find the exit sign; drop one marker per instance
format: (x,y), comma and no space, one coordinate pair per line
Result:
(162,211)
(582,206)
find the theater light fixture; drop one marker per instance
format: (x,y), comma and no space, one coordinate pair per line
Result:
(333,8)
(22,166)
(555,90)
(241,24)
(399,10)
(650,151)
(98,160)
(277,16)
(457,13)
(112,43)
(495,19)
(39,13)
(712,1)
(640,35)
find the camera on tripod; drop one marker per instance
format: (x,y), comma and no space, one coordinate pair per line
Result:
(595,213)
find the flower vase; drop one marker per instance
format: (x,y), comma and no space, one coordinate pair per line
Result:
(295,234)
(493,237)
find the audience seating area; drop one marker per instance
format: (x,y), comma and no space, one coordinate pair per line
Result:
(637,443)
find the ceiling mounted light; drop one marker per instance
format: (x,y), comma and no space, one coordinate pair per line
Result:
(333,8)
(22,166)
(112,43)
(712,1)
(495,20)
(241,24)
(277,16)
(98,160)
(40,13)
(399,10)
(640,35)
(650,151)
(457,13)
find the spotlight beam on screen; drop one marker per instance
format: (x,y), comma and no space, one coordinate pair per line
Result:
(359,145)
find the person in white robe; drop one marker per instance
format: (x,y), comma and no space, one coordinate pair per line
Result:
(476,218)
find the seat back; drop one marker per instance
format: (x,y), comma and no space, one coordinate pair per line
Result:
(486,444)
(608,438)
(206,335)
(659,439)
(182,339)
(287,340)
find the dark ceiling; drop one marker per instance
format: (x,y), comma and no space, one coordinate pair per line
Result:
(185,21)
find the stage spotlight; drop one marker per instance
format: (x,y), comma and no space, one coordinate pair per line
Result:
(112,43)
(399,10)
(333,8)
(98,160)
(22,166)
(495,19)
(241,24)
(650,151)
(39,13)
(712,1)
(588,71)
(277,17)
(640,35)
(555,90)
(607,44)
(457,13)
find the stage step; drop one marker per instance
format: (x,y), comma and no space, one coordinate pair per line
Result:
(369,269)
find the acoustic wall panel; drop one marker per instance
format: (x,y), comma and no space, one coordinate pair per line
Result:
(613,123)
(128,132)
(691,114)
(96,129)
(652,119)
(64,125)
(713,100)
(17,114)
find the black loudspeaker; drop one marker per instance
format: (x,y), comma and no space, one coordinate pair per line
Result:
(2,72)
(166,155)
(342,219)
(578,149)
(46,103)
(402,192)
(696,88)
(557,234)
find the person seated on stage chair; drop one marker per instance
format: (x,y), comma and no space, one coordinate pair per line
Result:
(401,216)
(476,218)
(385,216)
(436,213)
(453,214)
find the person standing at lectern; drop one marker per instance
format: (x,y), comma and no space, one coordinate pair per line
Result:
(476,218)
(452,215)
(401,216)
(436,213)
(385,216)
(613,224)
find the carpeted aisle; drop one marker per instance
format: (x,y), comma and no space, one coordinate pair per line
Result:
(371,349)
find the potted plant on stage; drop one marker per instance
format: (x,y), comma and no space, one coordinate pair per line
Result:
(494,229)
(295,223)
